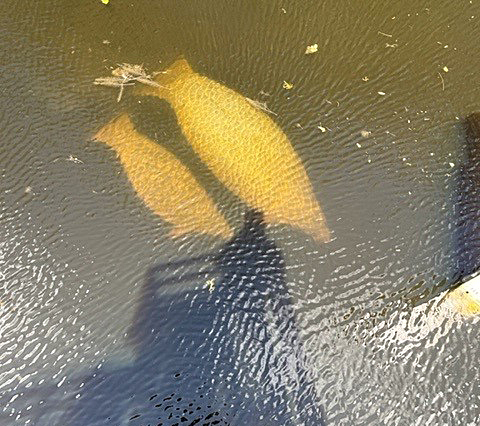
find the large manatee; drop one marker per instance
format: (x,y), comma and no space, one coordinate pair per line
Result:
(243,147)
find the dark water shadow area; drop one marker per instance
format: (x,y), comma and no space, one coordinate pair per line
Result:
(216,341)
(214,336)
(467,203)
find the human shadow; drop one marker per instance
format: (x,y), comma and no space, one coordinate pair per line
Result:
(214,337)
(226,353)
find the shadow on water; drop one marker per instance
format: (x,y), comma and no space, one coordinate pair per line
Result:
(466,219)
(214,336)
(468,200)
(227,354)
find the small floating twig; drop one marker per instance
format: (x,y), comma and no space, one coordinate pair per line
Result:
(385,34)
(443,81)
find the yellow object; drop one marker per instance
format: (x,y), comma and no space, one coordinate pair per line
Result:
(164,183)
(243,147)
(105,1)
(465,299)
(287,85)
(313,48)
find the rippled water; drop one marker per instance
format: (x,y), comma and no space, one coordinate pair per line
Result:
(105,320)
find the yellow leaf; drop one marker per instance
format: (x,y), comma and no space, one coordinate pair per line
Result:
(311,49)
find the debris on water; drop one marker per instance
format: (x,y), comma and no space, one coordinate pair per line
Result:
(365,133)
(391,45)
(105,42)
(28,190)
(313,48)
(283,10)
(126,75)
(365,78)
(381,93)
(452,164)
(74,159)
(323,129)
(443,81)
(287,85)
(260,105)
(210,285)
(445,68)
(385,34)
(105,1)
(358,145)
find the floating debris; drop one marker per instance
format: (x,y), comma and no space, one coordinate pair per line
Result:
(323,129)
(287,85)
(365,133)
(105,1)
(210,284)
(126,75)
(365,78)
(260,105)
(381,93)
(74,159)
(443,81)
(313,48)
(445,68)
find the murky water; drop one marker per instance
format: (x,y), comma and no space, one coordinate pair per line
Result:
(106,320)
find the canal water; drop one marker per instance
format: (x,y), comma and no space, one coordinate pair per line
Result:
(105,319)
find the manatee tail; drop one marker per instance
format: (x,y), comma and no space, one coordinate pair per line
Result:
(163,79)
(320,232)
(316,227)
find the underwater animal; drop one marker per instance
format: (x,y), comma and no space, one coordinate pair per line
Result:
(243,147)
(163,182)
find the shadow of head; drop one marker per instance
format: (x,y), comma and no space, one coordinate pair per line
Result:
(236,334)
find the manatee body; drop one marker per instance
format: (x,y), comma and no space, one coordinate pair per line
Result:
(243,147)
(164,183)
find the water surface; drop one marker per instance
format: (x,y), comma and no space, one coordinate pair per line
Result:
(105,320)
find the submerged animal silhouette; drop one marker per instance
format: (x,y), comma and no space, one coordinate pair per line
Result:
(163,182)
(243,147)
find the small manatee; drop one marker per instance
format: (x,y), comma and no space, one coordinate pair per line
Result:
(163,182)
